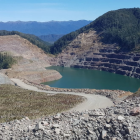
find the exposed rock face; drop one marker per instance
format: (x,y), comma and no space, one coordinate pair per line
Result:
(31,60)
(86,51)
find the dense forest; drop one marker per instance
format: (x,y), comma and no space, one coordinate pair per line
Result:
(32,38)
(120,26)
(6,61)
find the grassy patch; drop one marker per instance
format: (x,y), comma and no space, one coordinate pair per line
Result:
(136,94)
(16,103)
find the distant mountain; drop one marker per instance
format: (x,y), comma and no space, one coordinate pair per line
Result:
(43,28)
(50,38)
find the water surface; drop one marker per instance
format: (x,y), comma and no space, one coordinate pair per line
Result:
(93,79)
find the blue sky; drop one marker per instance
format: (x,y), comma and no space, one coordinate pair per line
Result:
(59,10)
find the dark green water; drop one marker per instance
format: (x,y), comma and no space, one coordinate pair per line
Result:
(84,78)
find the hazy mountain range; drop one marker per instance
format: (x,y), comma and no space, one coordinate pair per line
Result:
(51,38)
(43,28)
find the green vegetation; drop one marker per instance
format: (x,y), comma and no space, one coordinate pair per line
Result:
(121,26)
(32,38)
(137,93)
(6,61)
(16,103)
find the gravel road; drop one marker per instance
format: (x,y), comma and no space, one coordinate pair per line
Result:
(91,102)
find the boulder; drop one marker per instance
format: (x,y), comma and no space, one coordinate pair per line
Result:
(104,134)
(120,118)
(135,111)
(57,131)
(57,116)
(39,126)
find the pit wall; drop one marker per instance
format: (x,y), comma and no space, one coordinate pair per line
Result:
(124,64)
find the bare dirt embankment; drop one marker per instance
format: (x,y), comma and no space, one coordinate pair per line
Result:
(31,60)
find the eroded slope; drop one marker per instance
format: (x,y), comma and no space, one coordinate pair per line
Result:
(29,57)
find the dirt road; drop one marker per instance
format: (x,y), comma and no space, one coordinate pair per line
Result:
(91,102)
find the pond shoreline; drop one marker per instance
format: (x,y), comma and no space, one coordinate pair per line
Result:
(115,95)
(92,79)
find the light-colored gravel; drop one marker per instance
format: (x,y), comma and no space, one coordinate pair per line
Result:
(92,101)
(4,79)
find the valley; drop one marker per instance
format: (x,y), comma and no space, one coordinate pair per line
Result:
(32,110)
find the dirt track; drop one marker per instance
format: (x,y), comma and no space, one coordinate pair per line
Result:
(91,102)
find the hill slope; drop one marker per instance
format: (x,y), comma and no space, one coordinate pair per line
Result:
(32,38)
(120,26)
(31,60)
(105,44)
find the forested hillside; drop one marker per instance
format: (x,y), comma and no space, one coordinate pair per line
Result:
(50,38)
(120,26)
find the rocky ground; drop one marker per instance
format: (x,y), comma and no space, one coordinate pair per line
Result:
(114,123)
(120,122)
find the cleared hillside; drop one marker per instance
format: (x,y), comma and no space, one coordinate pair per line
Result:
(31,38)
(29,59)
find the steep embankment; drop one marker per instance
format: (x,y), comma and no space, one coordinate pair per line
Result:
(110,43)
(31,60)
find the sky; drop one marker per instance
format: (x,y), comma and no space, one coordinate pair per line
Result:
(59,10)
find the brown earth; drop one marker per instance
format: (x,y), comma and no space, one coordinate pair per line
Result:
(31,60)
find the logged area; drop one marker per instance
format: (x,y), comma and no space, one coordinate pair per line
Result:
(16,103)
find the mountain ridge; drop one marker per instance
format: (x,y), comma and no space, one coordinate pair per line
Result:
(119,26)
(107,46)
(43,28)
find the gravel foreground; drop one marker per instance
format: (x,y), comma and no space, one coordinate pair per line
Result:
(120,122)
